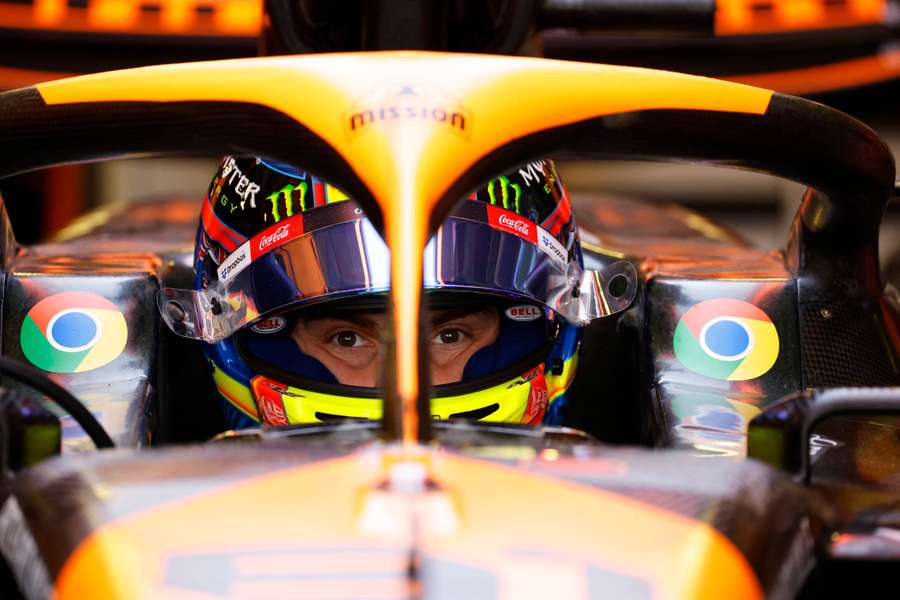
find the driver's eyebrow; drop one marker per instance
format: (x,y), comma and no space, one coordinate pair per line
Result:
(438,317)
(446,315)
(360,320)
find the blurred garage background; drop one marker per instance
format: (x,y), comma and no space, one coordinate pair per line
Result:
(842,53)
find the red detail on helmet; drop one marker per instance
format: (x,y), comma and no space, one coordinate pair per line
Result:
(510,222)
(319,197)
(538,396)
(276,235)
(268,400)
(216,230)
(562,216)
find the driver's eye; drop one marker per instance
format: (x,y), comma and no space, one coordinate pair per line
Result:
(348,339)
(448,336)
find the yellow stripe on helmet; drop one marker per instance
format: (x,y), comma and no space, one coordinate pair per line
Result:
(558,384)
(235,392)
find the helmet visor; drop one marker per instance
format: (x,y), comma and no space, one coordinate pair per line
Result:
(482,248)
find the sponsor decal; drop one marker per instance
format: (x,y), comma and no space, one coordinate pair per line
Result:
(293,195)
(270,325)
(408,103)
(524,312)
(73,332)
(272,237)
(236,262)
(552,246)
(240,183)
(268,399)
(533,172)
(505,187)
(726,339)
(509,222)
(261,243)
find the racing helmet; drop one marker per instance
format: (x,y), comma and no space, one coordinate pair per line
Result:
(279,252)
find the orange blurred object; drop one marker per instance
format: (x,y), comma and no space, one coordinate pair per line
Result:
(752,17)
(241,18)
(63,196)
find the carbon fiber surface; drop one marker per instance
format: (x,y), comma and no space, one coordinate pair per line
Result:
(844,345)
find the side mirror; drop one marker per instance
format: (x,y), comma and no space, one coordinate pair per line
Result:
(857,448)
(846,434)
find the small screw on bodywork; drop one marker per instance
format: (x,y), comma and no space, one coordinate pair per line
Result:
(826,313)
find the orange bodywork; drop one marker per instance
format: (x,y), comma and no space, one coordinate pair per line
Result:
(329,520)
(11,78)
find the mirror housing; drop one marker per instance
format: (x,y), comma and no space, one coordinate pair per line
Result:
(781,435)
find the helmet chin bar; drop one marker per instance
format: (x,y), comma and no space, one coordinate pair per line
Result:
(580,297)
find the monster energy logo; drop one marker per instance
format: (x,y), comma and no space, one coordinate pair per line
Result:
(505,185)
(287,192)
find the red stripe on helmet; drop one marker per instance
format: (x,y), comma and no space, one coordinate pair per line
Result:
(215,229)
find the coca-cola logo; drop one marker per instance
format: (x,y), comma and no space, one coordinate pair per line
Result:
(273,238)
(520,225)
(510,222)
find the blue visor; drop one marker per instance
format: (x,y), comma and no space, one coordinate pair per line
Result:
(290,265)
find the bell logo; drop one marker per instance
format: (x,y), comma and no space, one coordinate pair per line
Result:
(524,312)
(270,325)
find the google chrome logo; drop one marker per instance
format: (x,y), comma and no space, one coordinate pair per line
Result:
(73,332)
(726,339)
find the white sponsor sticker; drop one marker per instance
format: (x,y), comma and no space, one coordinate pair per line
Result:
(236,262)
(551,246)
(524,312)
(270,325)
